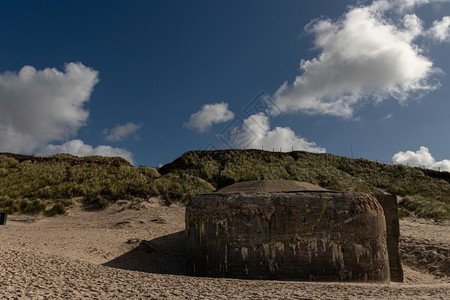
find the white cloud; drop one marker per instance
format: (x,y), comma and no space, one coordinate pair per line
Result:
(40,106)
(421,158)
(441,29)
(79,148)
(120,132)
(208,115)
(401,6)
(443,165)
(365,55)
(256,134)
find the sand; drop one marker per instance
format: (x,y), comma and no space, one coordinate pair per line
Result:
(135,250)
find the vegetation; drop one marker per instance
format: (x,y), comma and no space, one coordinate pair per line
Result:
(98,180)
(24,205)
(180,186)
(57,209)
(28,184)
(425,192)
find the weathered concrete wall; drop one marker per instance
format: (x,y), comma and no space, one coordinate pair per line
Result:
(390,208)
(301,235)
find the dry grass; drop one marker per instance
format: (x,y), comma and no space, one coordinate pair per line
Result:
(426,192)
(28,183)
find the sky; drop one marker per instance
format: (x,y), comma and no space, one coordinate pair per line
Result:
(150,80)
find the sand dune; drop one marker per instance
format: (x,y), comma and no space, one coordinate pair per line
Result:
(135,250)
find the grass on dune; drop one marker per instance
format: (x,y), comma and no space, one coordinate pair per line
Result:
(426,192)
(33,184)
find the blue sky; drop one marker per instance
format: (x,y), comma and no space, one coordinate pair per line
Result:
(150,80)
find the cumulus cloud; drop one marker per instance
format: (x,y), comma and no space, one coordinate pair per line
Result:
(120,132)
(256,134)
(79,148)
(421,158)
(368,54)
(208,115)
(40,106)
(441,29)
(401,6)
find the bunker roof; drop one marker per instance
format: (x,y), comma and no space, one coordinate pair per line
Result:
(270,186)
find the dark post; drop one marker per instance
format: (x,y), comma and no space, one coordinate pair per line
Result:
(3,216)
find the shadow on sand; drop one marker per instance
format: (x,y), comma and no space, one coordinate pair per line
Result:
(163,255)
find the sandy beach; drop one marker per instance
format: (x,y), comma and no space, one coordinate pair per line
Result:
(135,250)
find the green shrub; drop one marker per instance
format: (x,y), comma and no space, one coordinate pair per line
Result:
(21,205)
(180,186)
(403,213)
(9,205)
(149,172)
(57,209)
(97,202)
(32,207)
(426,207)
(66,202)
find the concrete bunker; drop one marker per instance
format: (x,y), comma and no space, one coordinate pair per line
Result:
(279,229)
